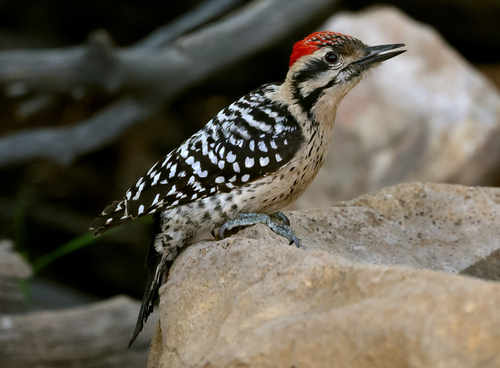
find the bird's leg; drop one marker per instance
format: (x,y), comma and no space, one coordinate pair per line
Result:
(246,219)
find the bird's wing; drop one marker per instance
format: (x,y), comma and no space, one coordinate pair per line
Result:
(248,140)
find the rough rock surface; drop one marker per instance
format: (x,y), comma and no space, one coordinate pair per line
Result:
(12,269)
(440,227)
(362,292)
(426,115)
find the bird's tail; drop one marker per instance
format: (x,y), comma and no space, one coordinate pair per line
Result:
(113,215)
(158,265)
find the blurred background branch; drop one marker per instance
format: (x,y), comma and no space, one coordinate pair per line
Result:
(146,75)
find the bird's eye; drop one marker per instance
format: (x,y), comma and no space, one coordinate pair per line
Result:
(331,58)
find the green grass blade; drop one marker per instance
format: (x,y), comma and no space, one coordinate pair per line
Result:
(70,247)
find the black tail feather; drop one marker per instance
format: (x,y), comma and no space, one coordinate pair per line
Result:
(150,295)
(157,265)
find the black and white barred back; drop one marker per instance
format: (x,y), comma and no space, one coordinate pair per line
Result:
(251,138)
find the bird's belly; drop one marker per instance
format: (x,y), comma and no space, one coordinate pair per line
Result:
(266,195)
(274,192)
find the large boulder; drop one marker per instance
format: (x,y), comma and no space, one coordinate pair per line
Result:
(376,284)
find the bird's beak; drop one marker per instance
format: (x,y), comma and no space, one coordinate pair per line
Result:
(377,54)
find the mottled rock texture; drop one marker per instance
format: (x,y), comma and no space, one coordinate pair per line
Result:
(376,284)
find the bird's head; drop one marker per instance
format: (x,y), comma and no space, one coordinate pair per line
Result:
(327,65)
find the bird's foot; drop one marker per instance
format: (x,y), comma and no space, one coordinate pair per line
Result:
(247,219)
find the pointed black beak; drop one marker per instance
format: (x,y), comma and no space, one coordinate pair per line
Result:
(377,54)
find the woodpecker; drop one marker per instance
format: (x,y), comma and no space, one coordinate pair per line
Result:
(252,159)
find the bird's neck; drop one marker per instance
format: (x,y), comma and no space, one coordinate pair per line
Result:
(320,118)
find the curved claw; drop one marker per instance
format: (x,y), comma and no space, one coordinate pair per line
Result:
(296,241)
(283,218)
(221,231)
(212,232)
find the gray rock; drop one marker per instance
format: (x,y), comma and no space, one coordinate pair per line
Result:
(440,227)
(13,269)
(253,300)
